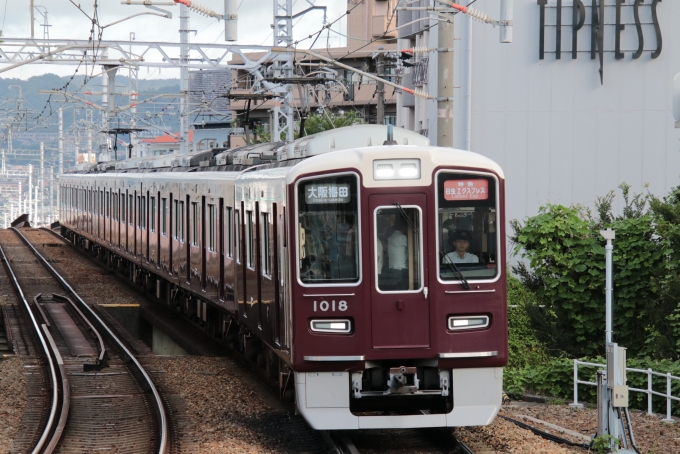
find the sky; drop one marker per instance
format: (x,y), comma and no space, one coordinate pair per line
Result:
(255,18)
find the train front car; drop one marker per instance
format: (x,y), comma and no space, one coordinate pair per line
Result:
(398,287)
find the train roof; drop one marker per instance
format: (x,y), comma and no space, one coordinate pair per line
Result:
(251,155)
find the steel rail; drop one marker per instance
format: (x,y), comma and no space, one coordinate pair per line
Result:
(55,385)
(161,409)
(100,340)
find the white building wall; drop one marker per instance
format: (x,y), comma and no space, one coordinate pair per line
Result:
(560,135)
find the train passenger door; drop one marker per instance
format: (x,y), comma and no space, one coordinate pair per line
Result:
(399,288)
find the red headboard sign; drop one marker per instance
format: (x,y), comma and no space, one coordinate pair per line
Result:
(472,189)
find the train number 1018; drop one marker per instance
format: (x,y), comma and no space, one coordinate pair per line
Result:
(325,306)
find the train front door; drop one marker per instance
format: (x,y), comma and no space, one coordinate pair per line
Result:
(399,301)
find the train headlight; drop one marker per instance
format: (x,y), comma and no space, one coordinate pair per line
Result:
(396,169)
(470,322)
(340,326)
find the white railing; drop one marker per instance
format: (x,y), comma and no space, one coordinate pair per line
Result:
(649,391)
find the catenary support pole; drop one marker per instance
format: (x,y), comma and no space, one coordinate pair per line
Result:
(445,40)
(380,88)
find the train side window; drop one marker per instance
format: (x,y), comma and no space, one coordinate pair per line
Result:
(249,240)
(152,213)
(114,205)
(131,209)
(266,248)
(229,225)
(164,216)
(181,222)
(143,212)
(194,223)
(108,204)
(237,235)
(467,235)
(123,209)
(211,228)
(176,233)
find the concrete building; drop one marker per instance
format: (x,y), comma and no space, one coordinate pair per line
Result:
(541,110)
(368,20)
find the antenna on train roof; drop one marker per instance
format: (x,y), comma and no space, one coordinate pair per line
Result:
(390,137)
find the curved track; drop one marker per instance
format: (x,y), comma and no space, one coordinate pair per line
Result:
(91,408)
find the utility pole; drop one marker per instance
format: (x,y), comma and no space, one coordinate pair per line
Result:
(184,88)
(61,141)
(380,87)
(32,20)
(445,40)
(42,179)
(283,67)
(30,191)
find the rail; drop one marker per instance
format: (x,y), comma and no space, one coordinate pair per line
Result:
(163,422)
(649,391)
(50,425)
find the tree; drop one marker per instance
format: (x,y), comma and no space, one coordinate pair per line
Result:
(567,273)
(314,124)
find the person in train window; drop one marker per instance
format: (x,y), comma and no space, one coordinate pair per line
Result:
(448,228)
(397,251)
(461,242)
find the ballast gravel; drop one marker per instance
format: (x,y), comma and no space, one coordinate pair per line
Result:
(13,394)
(652,434)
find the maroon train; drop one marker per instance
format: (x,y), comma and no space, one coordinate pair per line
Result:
(369,278)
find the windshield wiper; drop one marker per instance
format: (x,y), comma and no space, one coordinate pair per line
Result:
(405,216)
(456,272)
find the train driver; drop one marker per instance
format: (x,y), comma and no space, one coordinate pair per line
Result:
(461,242)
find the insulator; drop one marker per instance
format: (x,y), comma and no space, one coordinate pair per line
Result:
(421,94)
(478,15)
(203,10)
(422,50)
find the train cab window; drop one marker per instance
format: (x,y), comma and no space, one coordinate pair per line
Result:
(229,226)
(211,228)
(152,213)
(398,251)
(266,247)
(249,240)
(467,234)
(194,223)
(327,230)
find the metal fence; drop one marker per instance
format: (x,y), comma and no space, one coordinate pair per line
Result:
(649,391)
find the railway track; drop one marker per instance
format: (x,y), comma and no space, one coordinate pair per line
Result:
(398,441)
(98,400)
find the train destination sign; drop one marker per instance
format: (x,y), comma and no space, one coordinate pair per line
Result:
(328,193)
(477,189)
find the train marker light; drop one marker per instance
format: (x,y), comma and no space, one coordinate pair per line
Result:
(396,169)
(331,326)
(461,323)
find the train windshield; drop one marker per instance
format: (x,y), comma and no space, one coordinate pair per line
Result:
(467,237)
(328,244)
